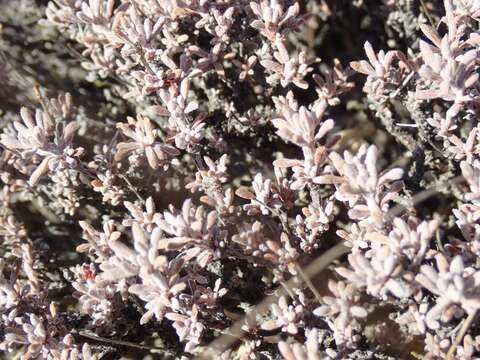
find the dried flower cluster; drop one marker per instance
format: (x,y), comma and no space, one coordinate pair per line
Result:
(172,171)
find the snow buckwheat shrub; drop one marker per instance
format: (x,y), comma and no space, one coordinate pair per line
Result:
(239,179)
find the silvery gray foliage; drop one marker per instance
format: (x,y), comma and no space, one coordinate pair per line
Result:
(316,221)
(146,219)
(330,84)
(159,281)
(449,66)
(188,328)
(287,68)
(343,303)
(438,346)
(29,319)
(186,129)
(264,198)
(212,157)
(98,243)
(286,316)
(44,136)
(309,350)
(212,177)
(143,135)
(308,130)
(453,284)
(95,296)
(385,70)
(379,276)
(467,213)
(342,311)
(194,231)
(273,20)
(361,186)
(42,337)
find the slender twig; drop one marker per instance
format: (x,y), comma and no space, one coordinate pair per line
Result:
(120,342)
(309,283)
(427,13)
(461,333)
(423,195)
(402,85)
(131,187)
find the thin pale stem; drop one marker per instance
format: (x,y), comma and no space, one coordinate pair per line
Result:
(461,333)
